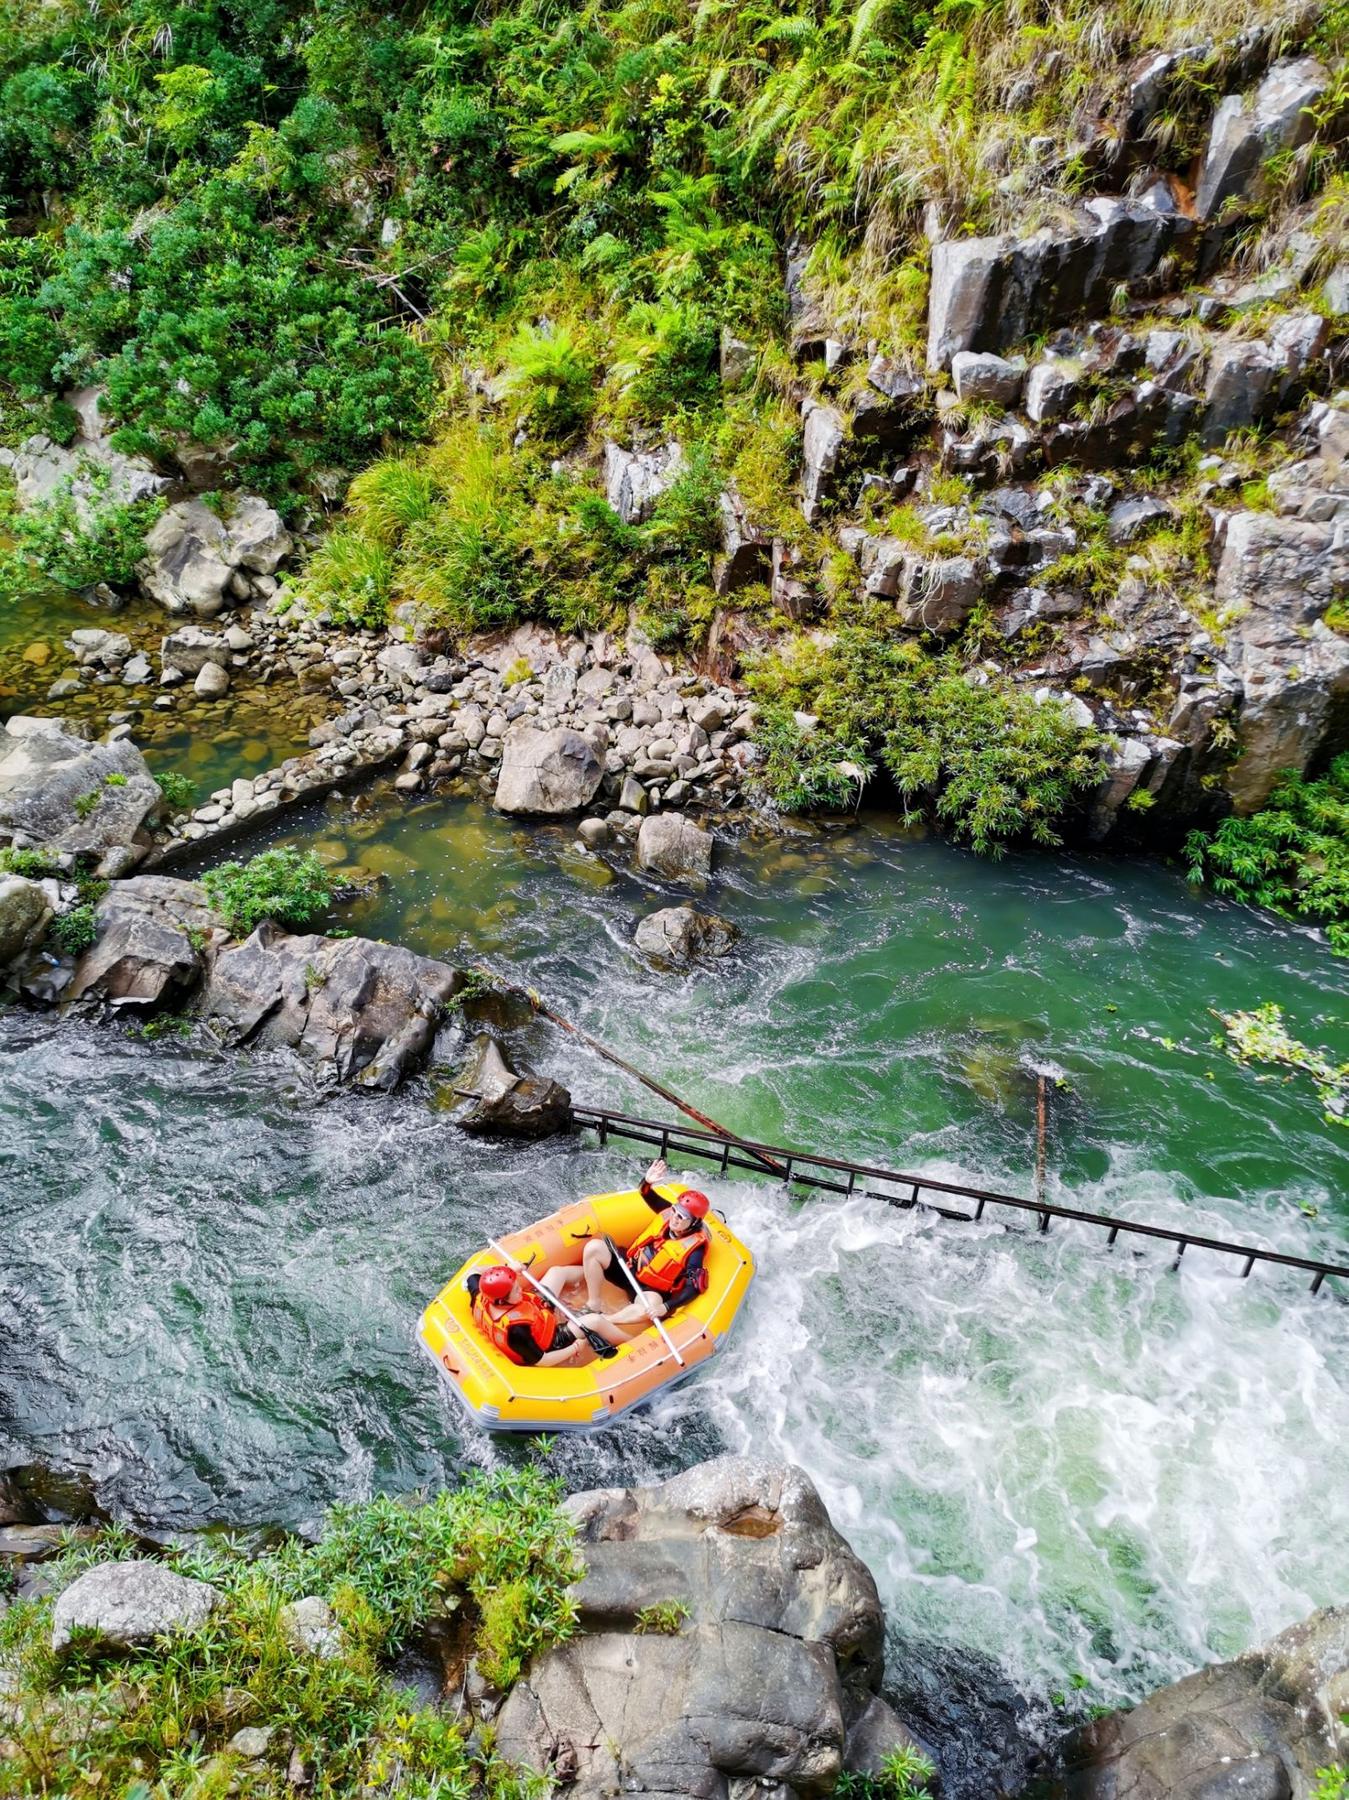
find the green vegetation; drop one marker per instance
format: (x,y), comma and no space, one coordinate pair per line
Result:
(904,1775)
(33,864)
(993,764)
(87,804)
(1292,856)
(74,931)
(75,541)
(179,792)
(664,1618)
(1332,1784)
(496,1553)
(284,885)
(1262,1037)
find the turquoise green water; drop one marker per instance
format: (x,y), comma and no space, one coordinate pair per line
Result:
(1070,1460)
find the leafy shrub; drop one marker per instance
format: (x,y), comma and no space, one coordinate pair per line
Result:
(993,764)
(78,543)
(74,931)
(808,770)
(165,1715)
(1292,856)
(288,886)
(904,1775)
(178,791)
(552,377)
(33,864)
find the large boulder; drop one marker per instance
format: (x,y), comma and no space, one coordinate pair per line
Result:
(823,435)
(153,933)
(669,844)
(119,1605)
(1258,1728)
(1276,578)
(66,793)
(991,293)
(774,1650)
(24,915)
(355,1010)
(679,935)
(189,649)
(192,553)
(1246,133)
(509,1102)
(89,470)
(548,772)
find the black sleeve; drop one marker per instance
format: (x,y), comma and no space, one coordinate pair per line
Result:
(472,1285)
(521,1340)
(657,1202)
(694,1282)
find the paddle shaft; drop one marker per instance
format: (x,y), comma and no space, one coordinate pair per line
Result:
(547,1293)
(632,1283)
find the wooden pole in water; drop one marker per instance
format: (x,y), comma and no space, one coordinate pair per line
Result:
(770,1163)
(1040,1138)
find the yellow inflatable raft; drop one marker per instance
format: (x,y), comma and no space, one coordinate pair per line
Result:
(584,1395)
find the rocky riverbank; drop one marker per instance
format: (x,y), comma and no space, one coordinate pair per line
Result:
(726,1642)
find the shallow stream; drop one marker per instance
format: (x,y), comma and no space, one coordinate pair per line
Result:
(1074,1461)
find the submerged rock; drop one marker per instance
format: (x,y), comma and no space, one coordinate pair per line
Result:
(771,1650)
(681,934)
(65,793)
(510,1102)
(123,1604)
(1259,1727)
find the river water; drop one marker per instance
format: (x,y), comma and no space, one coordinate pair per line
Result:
(1076,1462)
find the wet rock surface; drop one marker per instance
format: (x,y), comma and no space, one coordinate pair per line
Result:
(774,1653)
(506,1101)
(1258,1728)
(679,935)
(64,793)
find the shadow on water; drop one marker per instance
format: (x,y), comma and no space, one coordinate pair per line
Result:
(1071,1462)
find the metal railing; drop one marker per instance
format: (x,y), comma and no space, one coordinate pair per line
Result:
(806,1169)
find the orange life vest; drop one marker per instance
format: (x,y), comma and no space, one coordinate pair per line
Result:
(658,1259)
(529,1309)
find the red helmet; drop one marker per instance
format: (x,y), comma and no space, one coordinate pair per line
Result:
(693,1203)
(496,1283)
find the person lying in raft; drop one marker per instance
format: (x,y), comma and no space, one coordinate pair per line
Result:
(667,1261)
(520,1322)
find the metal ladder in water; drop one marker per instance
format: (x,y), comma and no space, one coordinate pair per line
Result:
(805,1169)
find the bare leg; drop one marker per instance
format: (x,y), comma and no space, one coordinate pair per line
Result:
(595,1260)
(561,1279)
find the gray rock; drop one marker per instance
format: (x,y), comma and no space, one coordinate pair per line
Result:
(189,649)
(737,360)
(681,935)
(780,1647)
(1052,390)
(1241,381)
(118,1605)
(886,409)
(212,681)
(94,474)
(96,648)
(633,797)
(512,1102)
(988,379)
(25,913)
(152,932)
(1152,77)
(55,790)
(1258,1728)
(1126,763)
(991,293)
(311,1626)
(252,1741)
(594,833)
(355,1010)
(746,548)
(257,540)
(187,566)
(634,480)
(821,442)
(1129,520)
(1246,133)
(668,844)
(136,671)
(548,772)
